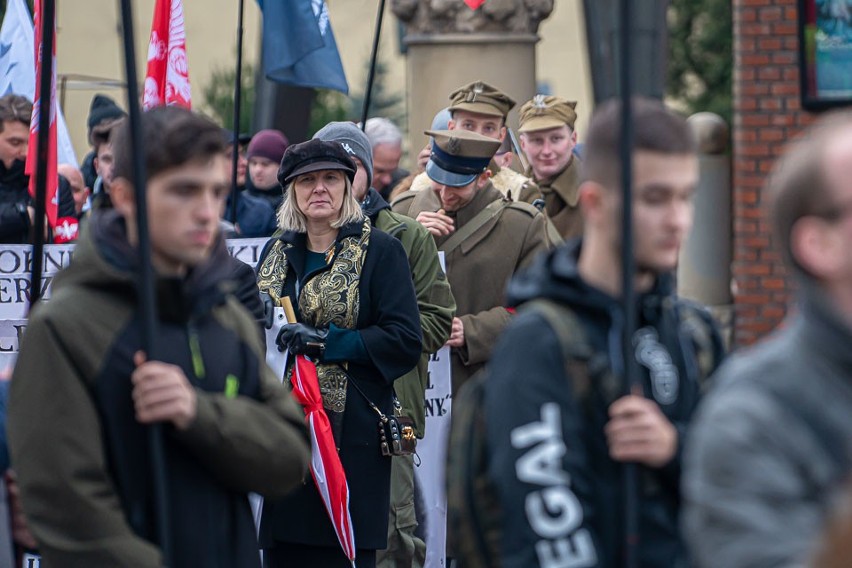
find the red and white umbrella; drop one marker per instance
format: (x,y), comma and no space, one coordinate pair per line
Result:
(325,462)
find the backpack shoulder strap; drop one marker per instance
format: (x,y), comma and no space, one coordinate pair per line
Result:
(576,351)
(696,321)
(479,220)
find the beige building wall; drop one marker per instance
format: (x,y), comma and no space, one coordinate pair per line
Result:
(89,42)
(561,52)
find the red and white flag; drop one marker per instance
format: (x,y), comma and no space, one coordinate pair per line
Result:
(69,225)
(167,78)
(327,471)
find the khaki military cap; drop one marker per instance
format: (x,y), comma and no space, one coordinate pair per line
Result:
(481,98)
(459,156)
(547,111)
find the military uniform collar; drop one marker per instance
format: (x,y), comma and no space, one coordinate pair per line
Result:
(566,184)
(480,201)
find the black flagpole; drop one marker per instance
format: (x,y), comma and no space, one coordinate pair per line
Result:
(146,279)
(631,471)
(373,57)
(47,15)
(238,90)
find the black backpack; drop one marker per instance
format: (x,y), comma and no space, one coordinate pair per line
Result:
(474,514)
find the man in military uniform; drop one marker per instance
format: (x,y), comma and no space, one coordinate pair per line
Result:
(548,139)
(479,107)
(485,238)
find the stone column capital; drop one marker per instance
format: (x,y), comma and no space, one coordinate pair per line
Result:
(438,17)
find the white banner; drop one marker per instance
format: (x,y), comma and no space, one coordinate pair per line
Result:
(16,263)
(432,450)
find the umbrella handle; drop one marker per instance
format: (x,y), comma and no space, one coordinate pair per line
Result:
(288,309)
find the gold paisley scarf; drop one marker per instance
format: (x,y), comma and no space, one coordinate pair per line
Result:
(329,297)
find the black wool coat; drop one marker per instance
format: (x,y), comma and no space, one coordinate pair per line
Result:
(389,324)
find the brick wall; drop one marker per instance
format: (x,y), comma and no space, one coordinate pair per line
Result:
(767,113)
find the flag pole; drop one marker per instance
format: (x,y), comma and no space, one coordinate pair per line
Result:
(146,279)
(238,90)
(631,471)
(373,58)
(47,15)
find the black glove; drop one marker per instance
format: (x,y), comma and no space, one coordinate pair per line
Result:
(268,310)
(302,339)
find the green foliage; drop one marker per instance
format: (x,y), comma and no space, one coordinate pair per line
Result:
(4,3)
(330,106)
(334,106)
(701,55)
(218,97)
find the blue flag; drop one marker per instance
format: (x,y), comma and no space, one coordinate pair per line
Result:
(298,45)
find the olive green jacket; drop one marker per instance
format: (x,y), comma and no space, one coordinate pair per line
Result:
(76,446)
(434,300)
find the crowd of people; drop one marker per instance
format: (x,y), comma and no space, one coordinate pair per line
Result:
(739,462)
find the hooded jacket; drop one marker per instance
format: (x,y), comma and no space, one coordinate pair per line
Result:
(81,457)
(561,495)
(434,299)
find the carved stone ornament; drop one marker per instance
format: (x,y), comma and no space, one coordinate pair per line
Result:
(430,17)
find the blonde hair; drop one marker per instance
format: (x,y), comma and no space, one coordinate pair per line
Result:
(291,219)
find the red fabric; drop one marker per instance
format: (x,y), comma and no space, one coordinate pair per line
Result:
(51,199)
(65,230)
(167,77)
(326,468)
(474,4)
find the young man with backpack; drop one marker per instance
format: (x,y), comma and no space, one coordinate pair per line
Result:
(540,439)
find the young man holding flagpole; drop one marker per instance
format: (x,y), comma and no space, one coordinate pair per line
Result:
(229,426)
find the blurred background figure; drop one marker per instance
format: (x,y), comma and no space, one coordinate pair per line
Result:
(79,190)
(264,156)
(386,142)
(102,111)
(103,162)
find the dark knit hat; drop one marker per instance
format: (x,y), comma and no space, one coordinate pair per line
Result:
(355,142)
(312,156)
(269,144)
(103,108)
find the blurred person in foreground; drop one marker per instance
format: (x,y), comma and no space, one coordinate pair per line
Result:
(229,427)
(350,286)
(559,420)
(771,446)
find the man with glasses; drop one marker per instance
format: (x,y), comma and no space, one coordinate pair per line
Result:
(770,449)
